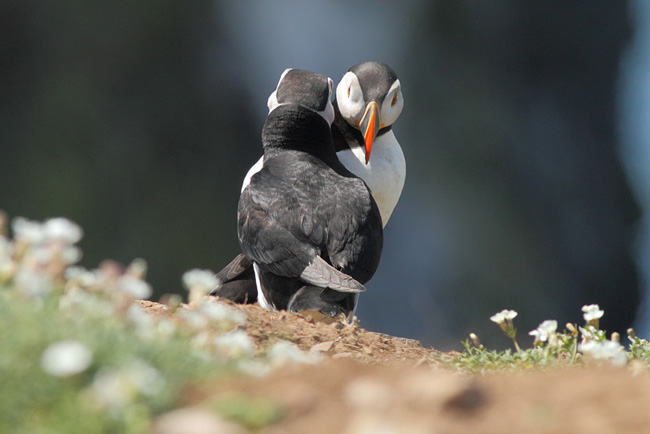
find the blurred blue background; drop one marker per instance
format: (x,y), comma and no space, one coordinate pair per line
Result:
(525,129)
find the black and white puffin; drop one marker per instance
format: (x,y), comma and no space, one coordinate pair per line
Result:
(368,102)
(310,227)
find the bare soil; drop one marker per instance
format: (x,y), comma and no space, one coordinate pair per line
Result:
(374,383)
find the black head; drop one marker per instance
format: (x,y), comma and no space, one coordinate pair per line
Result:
(304,88)
(375,79)
(300,115)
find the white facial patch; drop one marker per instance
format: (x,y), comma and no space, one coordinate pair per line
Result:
(392,105)
(349,97)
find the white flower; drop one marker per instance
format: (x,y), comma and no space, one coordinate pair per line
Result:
(137,268)
(81,276)
(592,312)
(76,299)
(62,229)
(136,288)
(544,330)
(27,231)
(218,311)
(146,379)
(32,282)
(589,333)
(283,352)
(111,390)
(194,319)
(200,341)
(142,320)
(115,389)
(604,350)
(165,328)
(41,254)
(235,344)
(71,254)
(66,358)
(200,279)
(504,315)
(255,367)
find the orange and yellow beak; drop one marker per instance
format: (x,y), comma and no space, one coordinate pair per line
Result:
(369,125)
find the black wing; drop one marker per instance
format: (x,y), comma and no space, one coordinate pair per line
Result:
(239,266)
(237,281)
(262,237)
(336,212)
(284,223)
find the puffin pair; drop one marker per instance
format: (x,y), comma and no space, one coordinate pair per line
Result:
(310,231)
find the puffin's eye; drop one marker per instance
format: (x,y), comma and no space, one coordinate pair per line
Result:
(392,103)
(349,87)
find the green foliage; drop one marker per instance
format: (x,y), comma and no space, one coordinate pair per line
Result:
(253,413)
(481,360)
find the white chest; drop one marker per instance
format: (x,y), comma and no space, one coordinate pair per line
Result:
(385,173)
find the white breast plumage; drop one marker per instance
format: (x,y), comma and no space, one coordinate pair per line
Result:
(385,173)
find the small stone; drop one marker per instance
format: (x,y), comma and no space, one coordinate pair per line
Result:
(342,356)
(314,316)
(323,347)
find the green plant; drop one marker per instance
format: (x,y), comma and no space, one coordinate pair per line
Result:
(573,346)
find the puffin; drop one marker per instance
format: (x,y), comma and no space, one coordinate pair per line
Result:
(310,227)
(368,102)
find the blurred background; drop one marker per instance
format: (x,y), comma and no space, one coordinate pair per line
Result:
(525,129)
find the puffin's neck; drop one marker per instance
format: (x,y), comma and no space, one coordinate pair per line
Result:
(293,127)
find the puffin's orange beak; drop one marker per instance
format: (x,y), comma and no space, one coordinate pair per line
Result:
(369,125)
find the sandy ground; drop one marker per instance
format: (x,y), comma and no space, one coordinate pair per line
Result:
(374,383)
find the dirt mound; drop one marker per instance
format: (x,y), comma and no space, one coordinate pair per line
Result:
(313,332)
(374,383)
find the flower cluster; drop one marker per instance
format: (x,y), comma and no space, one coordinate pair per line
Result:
(37,257)
(41,258)
(574,343)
